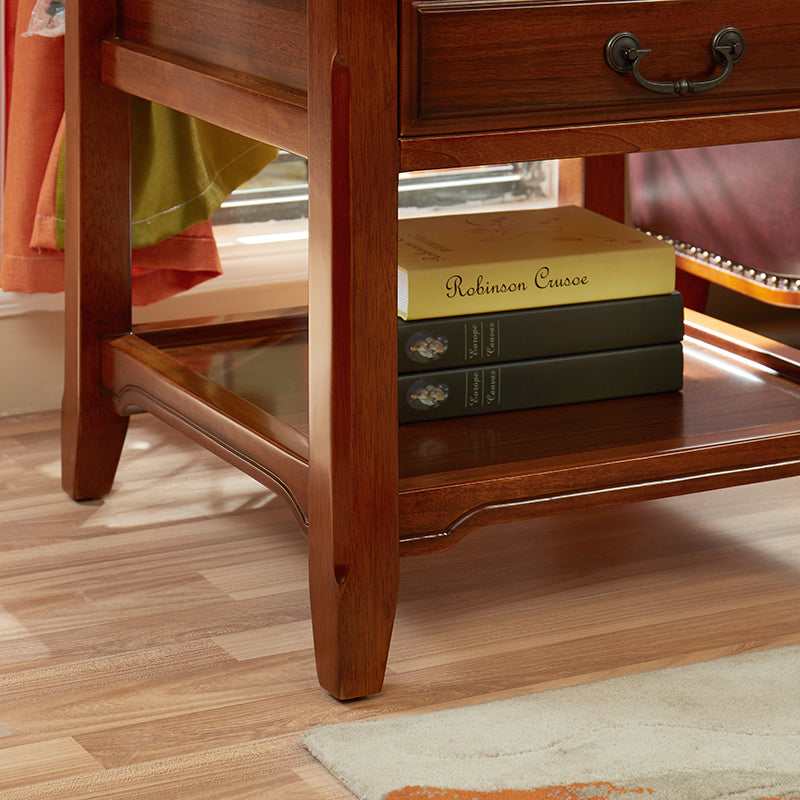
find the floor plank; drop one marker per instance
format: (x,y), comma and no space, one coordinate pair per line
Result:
(158,641)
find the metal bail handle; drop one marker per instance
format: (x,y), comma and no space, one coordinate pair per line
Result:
(624,53)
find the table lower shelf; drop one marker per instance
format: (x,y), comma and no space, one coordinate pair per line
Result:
(242,390)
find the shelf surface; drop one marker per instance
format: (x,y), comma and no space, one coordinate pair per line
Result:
(726,400)
(268,371)
(723,399)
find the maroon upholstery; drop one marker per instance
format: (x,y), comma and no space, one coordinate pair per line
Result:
(738,201)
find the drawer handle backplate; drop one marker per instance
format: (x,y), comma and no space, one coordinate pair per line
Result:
(624,53)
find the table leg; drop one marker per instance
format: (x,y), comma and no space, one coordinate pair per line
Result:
(353,172)
(98,273)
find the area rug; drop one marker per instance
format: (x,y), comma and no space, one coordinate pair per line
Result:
(727,728)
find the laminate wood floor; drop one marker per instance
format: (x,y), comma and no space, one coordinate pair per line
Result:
(157,643)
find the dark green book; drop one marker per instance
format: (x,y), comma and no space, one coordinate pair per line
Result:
(541,382)
(448,342)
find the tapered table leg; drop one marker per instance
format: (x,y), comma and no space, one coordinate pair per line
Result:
(353,170)
(98,273)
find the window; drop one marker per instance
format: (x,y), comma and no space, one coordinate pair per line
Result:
(280,192)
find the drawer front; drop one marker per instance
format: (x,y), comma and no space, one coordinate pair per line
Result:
(479,65)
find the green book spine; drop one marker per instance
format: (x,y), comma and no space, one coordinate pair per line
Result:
(541,382)
(449,342)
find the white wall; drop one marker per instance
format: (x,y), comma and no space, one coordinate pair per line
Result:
(31,363)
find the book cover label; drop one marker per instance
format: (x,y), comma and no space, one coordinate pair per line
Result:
(478,390)
(479,341)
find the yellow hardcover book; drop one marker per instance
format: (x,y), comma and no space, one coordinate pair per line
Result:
(499,261)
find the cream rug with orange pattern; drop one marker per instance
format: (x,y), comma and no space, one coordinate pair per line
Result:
(727,728)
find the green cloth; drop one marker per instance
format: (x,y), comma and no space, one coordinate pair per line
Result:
(182,171)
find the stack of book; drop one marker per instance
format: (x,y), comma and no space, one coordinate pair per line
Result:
(532,308)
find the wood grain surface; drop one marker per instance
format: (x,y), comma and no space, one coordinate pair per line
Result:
(158,642)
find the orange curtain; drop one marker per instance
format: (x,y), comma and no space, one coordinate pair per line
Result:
(30,262)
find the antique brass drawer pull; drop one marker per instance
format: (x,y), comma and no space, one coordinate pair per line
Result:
(624,53)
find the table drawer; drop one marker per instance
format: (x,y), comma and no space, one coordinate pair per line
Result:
(478,65)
